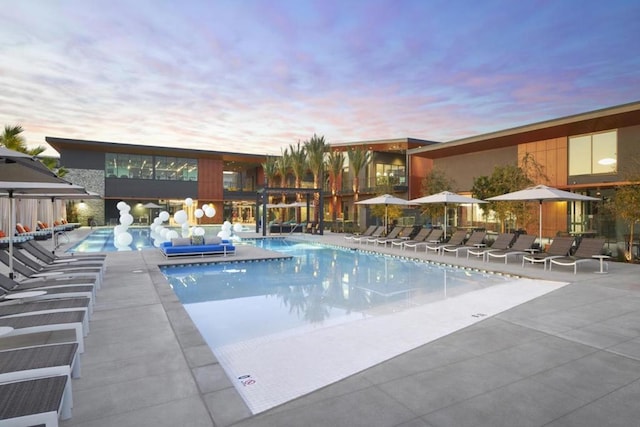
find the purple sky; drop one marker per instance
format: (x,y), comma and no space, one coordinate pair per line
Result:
(255,76)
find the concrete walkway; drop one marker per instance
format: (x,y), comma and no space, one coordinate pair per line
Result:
(569,358)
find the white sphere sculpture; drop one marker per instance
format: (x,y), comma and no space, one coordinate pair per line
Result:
(237,227)
(199,213)
(204,207)
(172,234)
(198,231)
(157,221)
(164,216)
(188,201)
(126,219)
(121,205)
(124,239)
(180,216)
(119,229)
(210,212)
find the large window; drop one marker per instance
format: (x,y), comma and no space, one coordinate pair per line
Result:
(595,153)
(149,167)
(129,166)
(389,174)
(176,169)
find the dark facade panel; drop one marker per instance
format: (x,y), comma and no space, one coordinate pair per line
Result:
(465,167)
(149,189)
(82,159)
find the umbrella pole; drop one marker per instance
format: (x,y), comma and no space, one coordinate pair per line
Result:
(51,221)
(540,223)
(386,219)
(445,221)
(12,215)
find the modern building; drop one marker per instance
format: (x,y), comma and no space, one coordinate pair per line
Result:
(163,176)
(590,153)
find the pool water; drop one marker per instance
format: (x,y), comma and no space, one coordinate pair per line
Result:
(101,240)
(317,287)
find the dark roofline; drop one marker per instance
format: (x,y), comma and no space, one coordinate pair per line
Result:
(103,146)
(577,124)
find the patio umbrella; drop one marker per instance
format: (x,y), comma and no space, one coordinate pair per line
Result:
(446,197)
(542,193)
(386,200)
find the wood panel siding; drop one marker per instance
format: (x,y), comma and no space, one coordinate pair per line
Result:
(210,185)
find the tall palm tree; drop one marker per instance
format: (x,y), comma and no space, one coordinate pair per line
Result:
(298,156)
(283,164)
(315,148)
(12,139)
(359,158)
(270,173)
(335,164)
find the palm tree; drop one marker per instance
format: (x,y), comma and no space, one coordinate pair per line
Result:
(315,148)
(283,163)
(270,172)
(335,164)
(298,157)
(12,139)
(359,158)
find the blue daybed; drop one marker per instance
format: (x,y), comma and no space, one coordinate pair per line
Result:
(183,246)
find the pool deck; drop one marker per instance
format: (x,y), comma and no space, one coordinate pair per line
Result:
(569,358)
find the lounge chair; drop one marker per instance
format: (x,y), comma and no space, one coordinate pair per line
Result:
(49,322)
(560,247)
(374,236)
(394,235)
(367,232)
(93,277)
(474,241)
(37,250)
(502,242)
(35,402)
(522,246)
(422,235)
(586,251)
(362,237)
(19,308)
(40,265)
(16,293)
(433,241)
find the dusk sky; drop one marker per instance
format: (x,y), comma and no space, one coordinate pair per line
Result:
(256,76)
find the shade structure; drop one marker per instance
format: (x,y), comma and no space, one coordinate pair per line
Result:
(31,189)
(386,200)
(542,193)
(446,197)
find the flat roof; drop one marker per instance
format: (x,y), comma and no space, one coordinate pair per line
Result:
(116,147)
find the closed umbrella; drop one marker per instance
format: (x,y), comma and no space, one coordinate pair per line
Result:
(386,200)
(542,193)
(446,197)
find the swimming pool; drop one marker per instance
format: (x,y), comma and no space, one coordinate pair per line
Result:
(319,286)
(283,328)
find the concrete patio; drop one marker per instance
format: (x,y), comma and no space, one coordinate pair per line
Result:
(569,358)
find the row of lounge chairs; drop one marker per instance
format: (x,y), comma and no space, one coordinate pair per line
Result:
(54,293)
(507,246)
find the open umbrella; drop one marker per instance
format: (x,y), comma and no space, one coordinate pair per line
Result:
(386,200)
(446,197)
(542,193)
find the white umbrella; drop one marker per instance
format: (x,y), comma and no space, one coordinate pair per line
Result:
(542,193)
(446,197)
(386,200)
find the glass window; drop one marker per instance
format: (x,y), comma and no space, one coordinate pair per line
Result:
(387,174)
(231,181)
(593,154)
(128,166)
(176,169)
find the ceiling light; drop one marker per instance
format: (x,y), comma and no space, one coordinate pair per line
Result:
(607,161)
